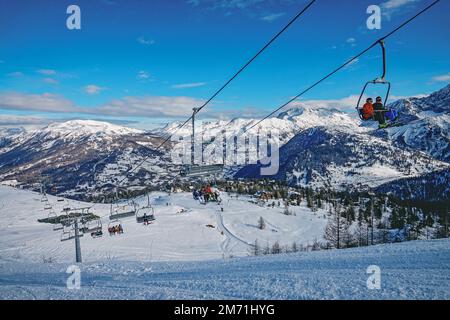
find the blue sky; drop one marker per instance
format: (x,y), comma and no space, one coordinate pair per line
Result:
(149,62)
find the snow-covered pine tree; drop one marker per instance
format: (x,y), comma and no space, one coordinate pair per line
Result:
(256,249)
(261,223)
(337,229)
(276,248)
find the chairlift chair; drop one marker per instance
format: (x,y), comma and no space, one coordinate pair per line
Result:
(378,81)
(122,211)
(92,226)
(58,227)
(52,218)
(69,234)
(194,170)
(146,213)
(47,206)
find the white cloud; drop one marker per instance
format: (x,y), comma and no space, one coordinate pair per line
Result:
(147,106)
(343,104)
(47,72)
(93,89)
(143,40)
(143,75)
(388,8)
(46,102)
(236,4)
(151,106)
(16,74)
(395,98)
(351,41)
(394,4)
(189,85)
(346,104)
(272,17)
(13,120)
(442,78)
(50,81)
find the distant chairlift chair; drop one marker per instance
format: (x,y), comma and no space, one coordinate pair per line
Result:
(53,218)
(145,214)
(94,227)
(122,211)
(69,233)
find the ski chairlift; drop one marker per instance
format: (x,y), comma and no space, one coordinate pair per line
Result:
(201,170)
(122,211)
(92,226)
(53,218)
(146,214)
(390,114)
(69,233)
(47,206)
(66,207)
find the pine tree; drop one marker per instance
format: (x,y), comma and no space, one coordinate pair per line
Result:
(261,223)
(256,249)
(362,230)
(337,229)
(276,248)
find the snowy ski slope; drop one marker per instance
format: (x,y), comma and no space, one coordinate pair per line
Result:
(174,236)
(409,270)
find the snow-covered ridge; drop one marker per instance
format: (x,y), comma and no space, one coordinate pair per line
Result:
(287,123)
(77,128)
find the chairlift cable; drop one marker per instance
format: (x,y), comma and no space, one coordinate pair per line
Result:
(226,83)
(345,64)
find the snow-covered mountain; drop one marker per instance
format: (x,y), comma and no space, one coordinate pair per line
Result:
(9,136)
(322,146)
(346,153)
(334,157)
(84,155)
(287,123)
(427,124)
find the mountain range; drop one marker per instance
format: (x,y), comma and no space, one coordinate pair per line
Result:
(320,147)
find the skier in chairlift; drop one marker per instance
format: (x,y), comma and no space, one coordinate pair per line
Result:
(367,110)
(379,110)
(382,114)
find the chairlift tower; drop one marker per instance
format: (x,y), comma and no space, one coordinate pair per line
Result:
(77,243)
(195,110)
(76,235)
